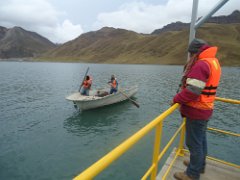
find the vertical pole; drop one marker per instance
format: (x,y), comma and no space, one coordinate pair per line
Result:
(158,137)
(182,135)
(193,21)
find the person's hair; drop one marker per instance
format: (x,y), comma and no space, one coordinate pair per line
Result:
(196,45)
(87,77)
(112,77)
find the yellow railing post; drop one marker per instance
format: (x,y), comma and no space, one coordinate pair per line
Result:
(182,136)
(157,143)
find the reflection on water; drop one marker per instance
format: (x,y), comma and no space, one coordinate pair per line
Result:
(96,120)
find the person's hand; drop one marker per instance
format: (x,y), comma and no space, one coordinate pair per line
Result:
(171,103)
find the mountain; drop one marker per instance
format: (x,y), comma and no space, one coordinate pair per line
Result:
(106,43)
(176,26)
(232,18)
(18,43)
(179,26)
(110,45)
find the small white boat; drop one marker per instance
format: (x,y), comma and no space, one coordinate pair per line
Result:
(99,98)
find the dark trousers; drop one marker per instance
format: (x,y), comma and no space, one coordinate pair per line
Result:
(85,92)
(113,90)
(196,142)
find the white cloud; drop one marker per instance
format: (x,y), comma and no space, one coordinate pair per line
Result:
(145,17)
(38,16)
(141,16)
(67,31)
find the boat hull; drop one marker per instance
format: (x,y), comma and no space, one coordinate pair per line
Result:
(94,101)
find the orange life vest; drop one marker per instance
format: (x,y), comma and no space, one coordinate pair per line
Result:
(87,83)
(207,97)
(114,83)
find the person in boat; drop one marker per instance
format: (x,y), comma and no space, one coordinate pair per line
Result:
(86,86)
(114,84)
(199,84)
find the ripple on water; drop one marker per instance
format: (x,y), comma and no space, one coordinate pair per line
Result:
(43,136)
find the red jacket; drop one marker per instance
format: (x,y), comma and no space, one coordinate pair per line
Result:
(194,96)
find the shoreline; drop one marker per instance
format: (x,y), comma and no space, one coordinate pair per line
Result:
(83,62)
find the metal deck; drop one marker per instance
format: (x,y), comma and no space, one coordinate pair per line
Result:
(214,170)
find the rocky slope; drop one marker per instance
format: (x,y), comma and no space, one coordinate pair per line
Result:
(18,43)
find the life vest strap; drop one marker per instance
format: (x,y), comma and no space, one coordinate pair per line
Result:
(210,87)
(208,93)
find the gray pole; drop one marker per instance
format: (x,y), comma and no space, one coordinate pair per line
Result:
(193,20)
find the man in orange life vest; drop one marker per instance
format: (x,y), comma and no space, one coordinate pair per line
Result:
(114,84)
(86,86)
(199,84)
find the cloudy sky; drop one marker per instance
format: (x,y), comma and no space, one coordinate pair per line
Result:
(64,20)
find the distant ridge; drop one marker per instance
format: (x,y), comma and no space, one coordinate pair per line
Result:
(232,18)
(19,43)
(176,26)
(179,26)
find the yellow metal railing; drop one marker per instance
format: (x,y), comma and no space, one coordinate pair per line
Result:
(218,160)
(157,123)
(232,101)
(180,151)
(104,162)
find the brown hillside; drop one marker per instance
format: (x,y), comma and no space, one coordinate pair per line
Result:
(109,45)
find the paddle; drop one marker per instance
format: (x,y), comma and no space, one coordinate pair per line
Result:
(132,101)
(83,80)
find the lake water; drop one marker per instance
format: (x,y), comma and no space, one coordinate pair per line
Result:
(43,137)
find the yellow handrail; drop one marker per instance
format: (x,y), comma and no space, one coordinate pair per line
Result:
(218,160)
(171,164)
(150,170)
(224,132)
(232,101)
(181,150)
(104,162)
(171,141)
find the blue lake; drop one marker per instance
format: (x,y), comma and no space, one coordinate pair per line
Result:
(43,137)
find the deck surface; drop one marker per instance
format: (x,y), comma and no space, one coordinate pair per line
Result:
(214,170)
